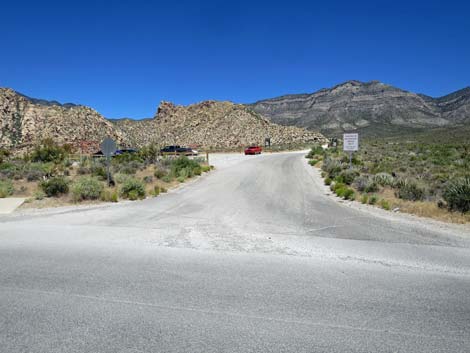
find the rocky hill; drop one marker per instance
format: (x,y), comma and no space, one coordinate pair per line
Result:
(372,107)
(211,124)
(25,121)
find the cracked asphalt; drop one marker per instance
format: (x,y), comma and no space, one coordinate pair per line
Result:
(253,257)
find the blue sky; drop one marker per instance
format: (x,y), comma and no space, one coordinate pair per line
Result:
(122,58)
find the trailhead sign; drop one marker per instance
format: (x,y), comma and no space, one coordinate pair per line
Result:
(350,142)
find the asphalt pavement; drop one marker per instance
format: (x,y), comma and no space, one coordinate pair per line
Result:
(253,257)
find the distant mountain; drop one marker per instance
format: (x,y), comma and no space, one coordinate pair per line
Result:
(371,107)
(25,121)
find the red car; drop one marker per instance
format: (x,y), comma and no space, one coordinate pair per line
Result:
(253,150)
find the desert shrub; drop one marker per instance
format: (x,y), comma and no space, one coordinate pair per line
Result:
(55,186)
(383,179)
(183,167)
(205,168)
(373,200)
(409,190)
(49,151)
(159,173)
(181,179)
(385,204)
(365,183)
(86,188)
(156,191)
(133,189)
(129,168)
(364,199)
(148,179)
(457,194)
(82,170)
(315,151)
(39,195)
(98,169)
(4,155)
(121,178)
(109,196)
(37,171)
(313,162)
(6,188)
(162,190)
(327,181)
(167,178)
(348,194)
(333,167)
(10,170)
(348,176)
(149,154)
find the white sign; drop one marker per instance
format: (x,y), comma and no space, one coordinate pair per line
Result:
(350,142)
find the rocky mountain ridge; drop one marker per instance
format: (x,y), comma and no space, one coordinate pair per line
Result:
(372,107)
(25,121)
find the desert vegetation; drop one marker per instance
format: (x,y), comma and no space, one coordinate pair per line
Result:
(421,174)
(50,175)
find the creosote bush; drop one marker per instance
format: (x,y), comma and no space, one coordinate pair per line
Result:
(6,188)
(133,189)
(55,186)
(409,190)
(86,188)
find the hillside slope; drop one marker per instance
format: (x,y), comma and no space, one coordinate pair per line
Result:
(25,121)
(372,107)
(211,124)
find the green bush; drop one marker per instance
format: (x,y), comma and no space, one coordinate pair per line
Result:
(156,191)
(55,186)
(365,183)
(409,190)
(373,200)
(49,151)
(183,167)
(167,178)
(327,181)
(6,188)
(205,168)
(385,204)
(348,176)
(313,162)
(364,199)
(159,173)
(109,196)
(39,195)
(333,167)
(348,194)
(315,151)
(86,188)
(457,194)
(133,189)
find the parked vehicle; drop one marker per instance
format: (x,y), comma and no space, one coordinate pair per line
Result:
(125,150)
(186,151)
(178,150)
(169,149)
(253,150)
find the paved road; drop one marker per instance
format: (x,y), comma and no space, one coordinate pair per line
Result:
(250,258)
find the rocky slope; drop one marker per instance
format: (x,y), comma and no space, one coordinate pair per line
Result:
(25,121)
(211,124)
(372,107)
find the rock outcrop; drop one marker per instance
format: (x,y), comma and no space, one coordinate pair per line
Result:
(211,124)
(372,107)
(25,121)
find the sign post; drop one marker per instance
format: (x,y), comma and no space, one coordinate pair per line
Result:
(350,144)
(108,147)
